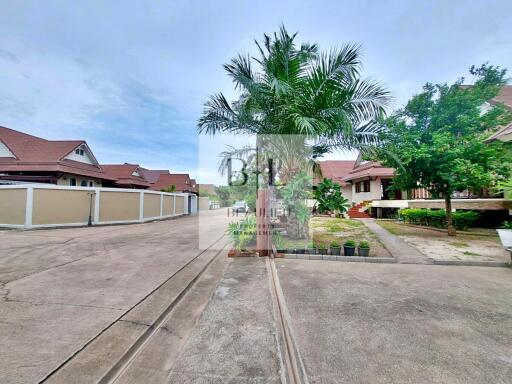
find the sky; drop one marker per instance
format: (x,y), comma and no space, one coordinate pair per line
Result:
(130,77)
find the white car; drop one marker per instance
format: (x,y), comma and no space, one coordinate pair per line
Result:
(240,206)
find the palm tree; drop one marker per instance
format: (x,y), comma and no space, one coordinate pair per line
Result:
(296,90)
(301,91)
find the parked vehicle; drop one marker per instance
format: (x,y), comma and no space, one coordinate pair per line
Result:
(240,206)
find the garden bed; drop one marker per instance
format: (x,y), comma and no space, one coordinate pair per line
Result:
(474,245)
(327,230)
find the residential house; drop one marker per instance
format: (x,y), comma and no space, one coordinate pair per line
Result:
(27,158)
(505,98)
(181,182)
(126,176)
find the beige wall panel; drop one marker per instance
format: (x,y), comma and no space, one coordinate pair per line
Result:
(119,206)
(151,205)
(54,206)
(204,203)
(168,205)
(180,205)
(12,206)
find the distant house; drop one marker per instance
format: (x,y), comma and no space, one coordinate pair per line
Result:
(29,158)
(126,176)
(181,181)
(504,97)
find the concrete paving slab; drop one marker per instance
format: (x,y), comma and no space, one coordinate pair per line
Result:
(235,340)
(397,323)
(66,300)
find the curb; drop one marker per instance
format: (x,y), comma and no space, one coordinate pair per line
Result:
(348,259)
(499,264)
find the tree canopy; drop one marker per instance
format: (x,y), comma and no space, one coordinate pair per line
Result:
(437,140)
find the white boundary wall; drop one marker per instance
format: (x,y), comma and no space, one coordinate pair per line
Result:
(29,206)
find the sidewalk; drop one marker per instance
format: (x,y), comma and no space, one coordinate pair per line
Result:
(403,252)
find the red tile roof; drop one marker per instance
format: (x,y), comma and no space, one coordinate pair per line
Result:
(180,180)
(369,169)
(124,175)
(35,154)
(336,169)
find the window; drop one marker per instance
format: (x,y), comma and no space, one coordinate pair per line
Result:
(72,182)
(83,183)
(79,151)
(91,183)
(363,186)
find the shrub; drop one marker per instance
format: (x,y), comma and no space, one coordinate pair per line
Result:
(437,218)
(506,225)
(350,243)
(364,244)
(334,244)
(243,233)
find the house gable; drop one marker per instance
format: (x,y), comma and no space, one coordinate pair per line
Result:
(82,154)
(5,151)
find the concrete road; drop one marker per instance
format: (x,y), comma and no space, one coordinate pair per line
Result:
(371,323)
(62,287)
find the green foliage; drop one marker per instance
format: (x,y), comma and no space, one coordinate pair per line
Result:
(506,225)
(320,246)
(437,140)
(243,233)
(329,197)
(505,187)
(295,193)
(224,194)
(170,189)
(364,244)
(335,244)
(291,88)
(437,218)
(349,243)
(278,240)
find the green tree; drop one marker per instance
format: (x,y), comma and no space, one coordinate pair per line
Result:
(170,189)
(300,91)
(437,140)
(329,198)
(223,192)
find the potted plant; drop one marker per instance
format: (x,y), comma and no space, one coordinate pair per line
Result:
(349,248)
(505,233)
(322,249)
(335,248)
(363,249)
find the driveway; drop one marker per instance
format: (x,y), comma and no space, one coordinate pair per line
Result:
(397,323)
(62,287)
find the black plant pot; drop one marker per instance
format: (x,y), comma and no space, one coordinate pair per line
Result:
(322,251)
(365,252)
(335,251)
(310,251)
(349,251)
(298,251)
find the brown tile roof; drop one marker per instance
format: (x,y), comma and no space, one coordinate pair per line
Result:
(369,169)
(34,154)
(503,134)
(151,175)
(180,180)
(336,169)
(124,174)
(504,96)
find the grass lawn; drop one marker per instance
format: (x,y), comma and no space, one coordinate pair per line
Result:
(478,244)
(325,230)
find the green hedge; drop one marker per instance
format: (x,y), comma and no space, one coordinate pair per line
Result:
(437,218)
